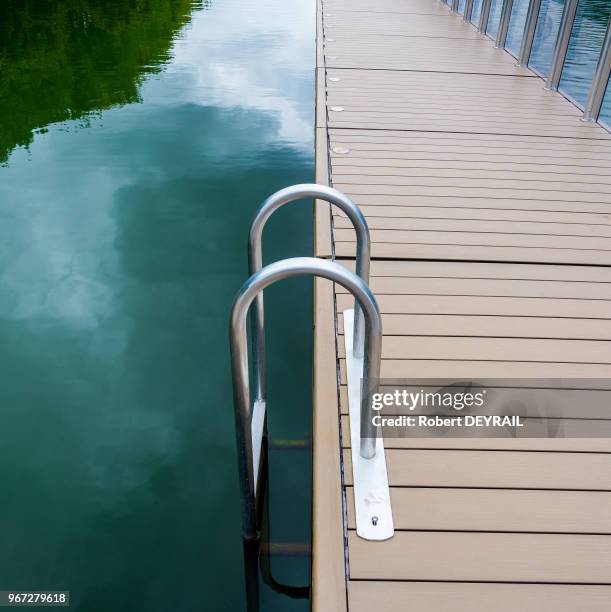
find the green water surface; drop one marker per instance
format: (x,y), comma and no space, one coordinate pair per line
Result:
(136,140)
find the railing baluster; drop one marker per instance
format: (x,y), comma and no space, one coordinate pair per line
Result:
(454,7)
(501,35)
(530,25)
(468,10)
(601,78)
(562,44)
(484,15)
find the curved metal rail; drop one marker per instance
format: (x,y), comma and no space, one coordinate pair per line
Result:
(255,261)
(250,424)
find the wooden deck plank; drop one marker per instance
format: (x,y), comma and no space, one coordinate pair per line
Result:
(381,596)
(433,250)
(484,271)
(449,157)
(467,369)
(443,177)
(488,557)
(405,6)
(517,178)
(422,53)
(576,404)
(487,305)
(496,349)
(500,142)
(401,8)
(385,285)
(424,188)
(575,445)
(496,510)
(377,25)
(415,203)
(382,215)
(472,226)
(493,326)
(369,164)
(496,469)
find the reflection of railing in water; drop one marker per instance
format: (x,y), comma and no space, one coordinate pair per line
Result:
(547,44)
(258,554)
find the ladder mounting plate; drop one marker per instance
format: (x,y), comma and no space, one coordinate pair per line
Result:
(371,494)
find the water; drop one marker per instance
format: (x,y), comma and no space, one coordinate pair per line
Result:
(494,18)
(584,48)
(517,21)
(136,141)
(545,35)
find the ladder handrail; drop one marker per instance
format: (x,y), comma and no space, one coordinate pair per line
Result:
(255,260)
(248,445)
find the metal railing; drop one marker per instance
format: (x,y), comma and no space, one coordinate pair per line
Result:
(528,35)
(255,260)
(250,424)
(562,44)
(484,15)
(596,95)
(501,35)
(468,10)
(602,74)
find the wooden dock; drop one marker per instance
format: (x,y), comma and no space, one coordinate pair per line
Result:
(489,203)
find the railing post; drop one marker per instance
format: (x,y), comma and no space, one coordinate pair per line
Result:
(484,15)
(454,6)
(530,26)
(468,10)
(501,35)
(601,78)
(562,44)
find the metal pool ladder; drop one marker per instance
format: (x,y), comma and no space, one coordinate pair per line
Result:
(363,337)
